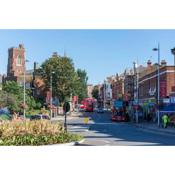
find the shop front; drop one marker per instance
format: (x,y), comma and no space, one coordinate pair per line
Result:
(149,109)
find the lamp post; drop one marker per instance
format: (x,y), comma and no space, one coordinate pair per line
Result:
(33,78)
(137,89)
(24,94)
(104,94)
(158,84)
(173,52)
(51,94)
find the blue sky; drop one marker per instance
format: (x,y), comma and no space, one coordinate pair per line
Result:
(100,52)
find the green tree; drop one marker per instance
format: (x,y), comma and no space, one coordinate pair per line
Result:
(95,92)
(12,87)
(64,76)
(82,84)
(12,97)
(9,100)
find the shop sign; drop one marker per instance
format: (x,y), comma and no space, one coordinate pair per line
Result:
(152,91)
(166,100)
(172,100)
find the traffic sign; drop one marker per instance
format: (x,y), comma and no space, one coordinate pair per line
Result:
(86,120)
(66,107)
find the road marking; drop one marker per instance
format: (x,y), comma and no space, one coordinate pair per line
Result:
(106,141)
(105,123)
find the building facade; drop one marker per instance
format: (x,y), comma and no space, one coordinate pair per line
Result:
(89,90)
(16,63)
(148,83)
(129,79)
(118,87)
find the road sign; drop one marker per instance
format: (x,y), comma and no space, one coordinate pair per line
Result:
(66,107)
(86,120)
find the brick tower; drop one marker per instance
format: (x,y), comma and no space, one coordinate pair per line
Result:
(16,62)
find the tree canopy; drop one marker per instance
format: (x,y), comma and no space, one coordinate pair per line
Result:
(95,92)
(11,96)
(66,81)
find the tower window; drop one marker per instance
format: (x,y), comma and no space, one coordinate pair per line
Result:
(19,61)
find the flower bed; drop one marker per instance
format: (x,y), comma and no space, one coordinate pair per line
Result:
(40,132)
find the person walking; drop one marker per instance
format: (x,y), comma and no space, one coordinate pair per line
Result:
(165,120)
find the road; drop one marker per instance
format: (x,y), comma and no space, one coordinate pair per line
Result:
(101,131)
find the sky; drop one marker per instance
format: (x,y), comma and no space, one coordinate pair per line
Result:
(100,52)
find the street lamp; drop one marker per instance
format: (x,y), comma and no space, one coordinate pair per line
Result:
(104,93)
(137,89)
(51,94)
(33,78)
(173,52)
(24,95)
(158,83)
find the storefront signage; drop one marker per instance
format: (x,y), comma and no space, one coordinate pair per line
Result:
(166,100)
(152,91)
(172,100)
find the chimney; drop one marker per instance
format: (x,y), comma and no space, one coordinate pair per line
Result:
(21,46)
(149,63)
(163,63)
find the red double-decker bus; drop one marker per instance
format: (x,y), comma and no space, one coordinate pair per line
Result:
(88,104)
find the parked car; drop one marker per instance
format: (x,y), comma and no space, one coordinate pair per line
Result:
(39,117)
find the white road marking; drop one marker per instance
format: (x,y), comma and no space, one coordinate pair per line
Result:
(106,141)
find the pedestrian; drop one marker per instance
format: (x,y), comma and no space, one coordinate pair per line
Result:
(165,120)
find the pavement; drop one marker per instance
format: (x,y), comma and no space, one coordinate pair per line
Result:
(153,127)
(61,117)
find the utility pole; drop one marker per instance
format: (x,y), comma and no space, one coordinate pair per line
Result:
(24,93)
(33,80)
(173,52)
(104,93)
(136,91)
(158,84)
(51,89)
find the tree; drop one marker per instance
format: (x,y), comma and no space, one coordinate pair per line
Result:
(82,84)
(12,87)
(64,76)
(95,92)
(12,97)
(9,100)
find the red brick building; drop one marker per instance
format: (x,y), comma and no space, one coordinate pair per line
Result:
(118,87)
(129,79)
(148,82)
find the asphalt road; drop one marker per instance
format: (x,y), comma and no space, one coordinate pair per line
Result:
(101,131)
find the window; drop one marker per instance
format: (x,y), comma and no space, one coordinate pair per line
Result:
(19,61)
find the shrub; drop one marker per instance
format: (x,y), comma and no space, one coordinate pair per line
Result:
(40,132)
(5,117)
